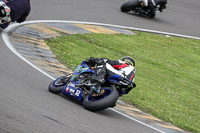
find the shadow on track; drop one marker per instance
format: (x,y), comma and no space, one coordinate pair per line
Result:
(106,112)
(146,18)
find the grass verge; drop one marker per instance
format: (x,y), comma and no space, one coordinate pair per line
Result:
(168,70)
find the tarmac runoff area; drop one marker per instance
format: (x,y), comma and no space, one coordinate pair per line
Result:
(27,41)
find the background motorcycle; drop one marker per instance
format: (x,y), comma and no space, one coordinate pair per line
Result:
(94,96)
(4,15)
(144,7)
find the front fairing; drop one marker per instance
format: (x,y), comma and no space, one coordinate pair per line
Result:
(70,89)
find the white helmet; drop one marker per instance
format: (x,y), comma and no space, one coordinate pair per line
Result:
(4,13)
(129,60)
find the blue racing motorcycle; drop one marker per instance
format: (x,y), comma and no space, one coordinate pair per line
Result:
(94,96)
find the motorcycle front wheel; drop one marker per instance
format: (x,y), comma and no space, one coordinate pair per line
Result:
(151,13)
(97,103)
(57,85)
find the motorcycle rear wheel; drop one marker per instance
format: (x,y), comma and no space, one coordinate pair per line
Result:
(130,5)
(108,99)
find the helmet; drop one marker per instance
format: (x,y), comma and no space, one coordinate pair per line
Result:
(128,60)
(4,13)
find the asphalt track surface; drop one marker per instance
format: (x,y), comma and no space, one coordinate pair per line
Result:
(181,16)
(26,106)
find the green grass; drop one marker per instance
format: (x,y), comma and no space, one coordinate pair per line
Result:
(167,76)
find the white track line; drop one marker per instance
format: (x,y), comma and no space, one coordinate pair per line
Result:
(111,25)
(5,36)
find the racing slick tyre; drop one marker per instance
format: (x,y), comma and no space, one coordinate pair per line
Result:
(57,85)
(130,5)
(151,13)
(97,103)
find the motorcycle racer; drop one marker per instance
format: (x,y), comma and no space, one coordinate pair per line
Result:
(97,82)
(152,3)
(105,67)
(144,7)
(13,11)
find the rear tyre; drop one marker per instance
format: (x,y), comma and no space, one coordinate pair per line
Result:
(108,99)
(130,5)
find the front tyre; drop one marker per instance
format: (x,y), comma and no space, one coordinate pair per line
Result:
(97,103)
(152,13)
(57,85)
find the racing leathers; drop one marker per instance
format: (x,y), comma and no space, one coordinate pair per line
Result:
(19,10)
(107,68)
(152,4)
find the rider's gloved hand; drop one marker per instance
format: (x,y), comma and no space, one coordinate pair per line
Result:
(162,7)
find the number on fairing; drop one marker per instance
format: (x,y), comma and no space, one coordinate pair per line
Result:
(77,93)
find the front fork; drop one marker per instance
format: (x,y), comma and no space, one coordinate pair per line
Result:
(66,78)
